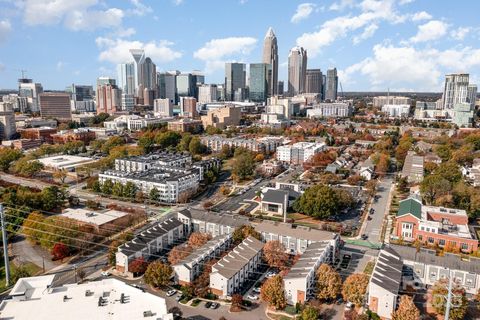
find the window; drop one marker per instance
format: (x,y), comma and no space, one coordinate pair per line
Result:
(428,229)
(464,246)
(441,242)
(422,228)
(430,240)
(420,237)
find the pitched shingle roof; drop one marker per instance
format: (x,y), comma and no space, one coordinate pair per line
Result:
(410,206)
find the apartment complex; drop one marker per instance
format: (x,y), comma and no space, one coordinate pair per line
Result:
(262,145)
(7,121)
(152,241)
(190,267)
(380,101)
(299,152)
(330,110)
(445,227)
(55,105)
(146,162)
(299,283)
(230,273)
(222,117)
(209,222)
(396,110)
(413,167)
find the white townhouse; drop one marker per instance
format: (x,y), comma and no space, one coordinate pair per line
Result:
(230,273)
(212,223)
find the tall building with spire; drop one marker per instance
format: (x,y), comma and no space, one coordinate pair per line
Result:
(297,71)
(138,61)
(270,56)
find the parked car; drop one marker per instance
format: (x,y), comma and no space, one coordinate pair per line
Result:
(349,306)
(256,290)
(171,292)
(106,274)
(369,218)
(339,301)
(208,304)
(364,236)
(139,287)
(214,305)
(179,297)
(252,297)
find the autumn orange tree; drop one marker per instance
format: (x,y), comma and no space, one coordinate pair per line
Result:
(274,254)
(158,274)
(355,287)
(178,253)
(273,292)
(198,239)
(243,232)
(329,282)
(406,310)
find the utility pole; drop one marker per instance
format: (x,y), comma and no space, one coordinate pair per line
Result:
(449,297)
(5,247)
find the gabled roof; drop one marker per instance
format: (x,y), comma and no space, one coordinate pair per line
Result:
(410,206)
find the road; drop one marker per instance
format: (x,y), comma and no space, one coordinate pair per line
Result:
(90,265)
(373,228)
(234,203)
(31,183)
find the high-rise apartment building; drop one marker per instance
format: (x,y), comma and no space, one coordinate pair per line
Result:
(81,97)
(455,89)
(314,81)
(270,56)
(55,105)
(188,107)
(258,88)
(7,121)
(234,79)
(297,71)
(332,85)
(472,94)
(109,97)
(207,93)
(30,90)
(280,88)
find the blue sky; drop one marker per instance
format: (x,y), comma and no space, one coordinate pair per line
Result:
(375,44)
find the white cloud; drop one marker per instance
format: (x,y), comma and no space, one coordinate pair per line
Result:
(216,51)
(409,68)
(118,50)
(338,6)
(177,2)
(5,29)
(422,15)
(368,32)
(60,65)
(372,12)
(431,30)
(402,2)
(74,14)
(303,12)
(460,33)
(125,33)
(140,9)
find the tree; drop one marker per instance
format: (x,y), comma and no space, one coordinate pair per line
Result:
(107,186)
(32,226)
(273,293)
(243,165)
(154,194)
(130,190)
(178,253)
(60,251)
(188,291)
(406,310)
(60,175)
(322,201)
(237,301)
(355,287)
(147,141)
(449,171)
(28,168)
(444,152)
(196,147)
(112,251)
(167,139)
(459,300)
(8,156)
(138,266)
(371,186)
(274,254)
(309,313)
(354,180)
(434,186)
(81,274)
(259,157)
(198,239)
(52,198)
(382,164)
(243,232)
(329,283)
(117,189)
(184,143)
(158,274)
(21,271)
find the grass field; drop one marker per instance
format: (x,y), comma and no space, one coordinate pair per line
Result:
(32,269)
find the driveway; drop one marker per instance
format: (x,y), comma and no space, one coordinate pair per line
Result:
(373,228)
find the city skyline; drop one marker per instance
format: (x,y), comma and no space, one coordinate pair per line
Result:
(403,45)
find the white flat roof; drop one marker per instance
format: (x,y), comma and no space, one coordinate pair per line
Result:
(81,302)
(94,217)
(65,161)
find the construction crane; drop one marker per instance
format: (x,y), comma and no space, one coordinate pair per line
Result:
(341,90)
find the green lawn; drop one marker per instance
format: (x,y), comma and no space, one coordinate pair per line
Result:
(369,268)
(32,269)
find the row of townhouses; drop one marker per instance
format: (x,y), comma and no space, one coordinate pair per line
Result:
(299,283)
(191,266)
(264,145)
(399,267)
(230,273)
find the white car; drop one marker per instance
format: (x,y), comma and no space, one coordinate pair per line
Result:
(105,274)
(270,274)
(171,292)
(256,290)
(252,297)
(348,306)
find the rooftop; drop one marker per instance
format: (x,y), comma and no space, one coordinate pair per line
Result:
(65,161)
(410,206)
(93,217)
(204,250)
(36,298)
(308,260)
(387,272)
(299,232)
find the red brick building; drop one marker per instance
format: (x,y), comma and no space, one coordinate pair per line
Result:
(41,133)
(430,225)
(74,135)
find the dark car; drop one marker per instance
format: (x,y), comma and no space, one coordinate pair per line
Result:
(369,218)
(208,304)
(364,237)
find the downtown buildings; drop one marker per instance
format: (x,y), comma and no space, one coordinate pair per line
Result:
(297,71)
(270,56)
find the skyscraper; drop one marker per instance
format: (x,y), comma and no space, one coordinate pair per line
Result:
(149,74)
(138,60)
(332,85)
(55,105)
(28,89)
(297,70)
(234,80)
(455,90)
(126,77)
(472,94)
(258,87)
(314,81)
(207,93)
(186,85)
(109,97)
(270,56)
(7,121)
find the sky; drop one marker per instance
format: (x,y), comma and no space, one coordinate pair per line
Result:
(401,45)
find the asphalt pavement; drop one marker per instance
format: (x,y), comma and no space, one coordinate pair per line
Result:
(236,202)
